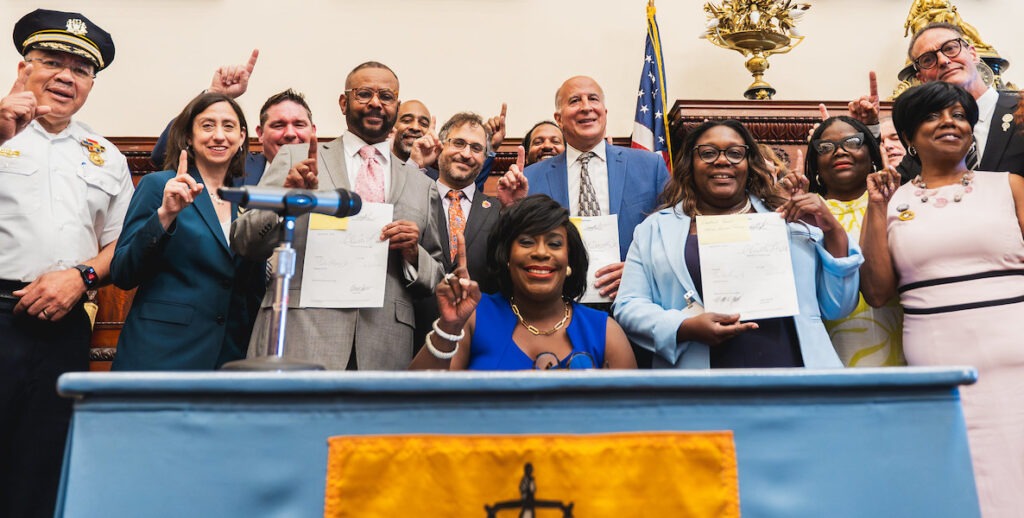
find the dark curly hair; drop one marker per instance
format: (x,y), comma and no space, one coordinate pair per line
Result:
(536,214)
(811,157)
(681,188)
(181,133)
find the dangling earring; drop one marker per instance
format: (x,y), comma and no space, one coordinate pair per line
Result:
(912,150)
(568,271)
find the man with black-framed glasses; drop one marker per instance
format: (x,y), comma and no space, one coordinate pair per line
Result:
(361,160)
(941,52)
(64,191)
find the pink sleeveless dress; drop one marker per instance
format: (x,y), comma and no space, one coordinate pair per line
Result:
(962,291)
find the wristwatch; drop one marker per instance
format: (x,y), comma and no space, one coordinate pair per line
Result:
(89,276)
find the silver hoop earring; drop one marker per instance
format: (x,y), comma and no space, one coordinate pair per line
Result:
(912,150)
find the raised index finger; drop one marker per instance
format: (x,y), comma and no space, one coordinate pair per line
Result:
(504,109)
(873,85)
(521,158)
(823,110)
(885,157)
(252,60)
(183,163)
(460,255)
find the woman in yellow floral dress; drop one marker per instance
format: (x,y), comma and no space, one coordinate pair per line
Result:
(840,157)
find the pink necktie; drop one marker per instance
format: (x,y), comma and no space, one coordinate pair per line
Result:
(370,180)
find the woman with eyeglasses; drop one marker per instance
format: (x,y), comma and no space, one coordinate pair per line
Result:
(537,258)
(660,303)
(950,244)
(196,300)
(841,155)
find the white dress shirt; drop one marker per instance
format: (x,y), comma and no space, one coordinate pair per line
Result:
(986,110)
(58,208)
(353,161)
(597,169)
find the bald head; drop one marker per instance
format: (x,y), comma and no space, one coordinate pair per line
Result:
(413,122)
(581,113)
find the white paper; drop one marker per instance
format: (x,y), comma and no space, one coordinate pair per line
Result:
(347,268)
(601,239)
(746,266)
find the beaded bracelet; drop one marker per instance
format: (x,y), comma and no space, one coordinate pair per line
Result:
(439,354)
(446,336)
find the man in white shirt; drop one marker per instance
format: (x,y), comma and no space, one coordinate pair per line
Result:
(64,191)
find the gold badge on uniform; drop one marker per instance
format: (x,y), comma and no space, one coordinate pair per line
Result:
(905,213)
(1007,119)
(95,151)
(9,153)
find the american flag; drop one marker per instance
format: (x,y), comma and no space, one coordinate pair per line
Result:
(650,127)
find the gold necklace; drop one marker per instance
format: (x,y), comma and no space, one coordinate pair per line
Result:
(743,209)
(537,332)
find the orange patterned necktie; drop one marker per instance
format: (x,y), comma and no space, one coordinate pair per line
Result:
(456,220)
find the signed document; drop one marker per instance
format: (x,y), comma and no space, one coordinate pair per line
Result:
(346,264)
(746,266)
(601,238)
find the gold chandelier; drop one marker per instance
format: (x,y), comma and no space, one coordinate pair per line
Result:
(757,29)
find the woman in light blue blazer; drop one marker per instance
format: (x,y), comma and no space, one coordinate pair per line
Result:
(196,299)
(660,301)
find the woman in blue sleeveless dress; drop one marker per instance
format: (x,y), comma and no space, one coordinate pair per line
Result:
(538,260)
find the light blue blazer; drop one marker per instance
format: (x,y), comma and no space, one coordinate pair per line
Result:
(655,280)
(635,179)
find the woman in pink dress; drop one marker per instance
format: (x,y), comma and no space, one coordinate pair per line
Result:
(950,243)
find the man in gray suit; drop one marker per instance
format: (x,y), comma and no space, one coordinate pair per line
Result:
(463,144)
(360,160)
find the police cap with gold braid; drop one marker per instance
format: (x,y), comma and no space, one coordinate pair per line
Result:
(60,31)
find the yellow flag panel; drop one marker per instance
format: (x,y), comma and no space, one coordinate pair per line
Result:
(692,474)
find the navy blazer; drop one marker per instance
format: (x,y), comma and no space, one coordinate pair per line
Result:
(196,300)
(643,172)
(255,163)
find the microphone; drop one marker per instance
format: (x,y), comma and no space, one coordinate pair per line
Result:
(294,202)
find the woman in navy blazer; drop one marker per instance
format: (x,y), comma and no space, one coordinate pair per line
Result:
(722,172)
(196,300)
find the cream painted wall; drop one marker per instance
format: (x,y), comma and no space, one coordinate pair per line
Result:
(473,54)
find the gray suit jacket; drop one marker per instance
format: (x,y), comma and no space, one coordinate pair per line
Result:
(381,338)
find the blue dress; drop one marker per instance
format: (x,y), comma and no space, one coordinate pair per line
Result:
(493,348)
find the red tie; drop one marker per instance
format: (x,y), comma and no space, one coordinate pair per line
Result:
(456,220)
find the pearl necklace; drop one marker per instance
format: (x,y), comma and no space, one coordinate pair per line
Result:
(926,194)
(746,207)
(217,199)
(537,332)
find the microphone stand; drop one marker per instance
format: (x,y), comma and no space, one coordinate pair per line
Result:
(284,256)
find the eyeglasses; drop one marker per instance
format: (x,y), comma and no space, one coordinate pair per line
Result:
(709,154)
(365,95)
(576,360)
(460,144)
(79,71)
(950,49)
(850,144)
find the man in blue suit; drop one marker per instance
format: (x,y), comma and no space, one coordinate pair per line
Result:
(618,180)
(285,118)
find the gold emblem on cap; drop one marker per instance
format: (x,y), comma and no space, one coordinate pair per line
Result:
(78,27)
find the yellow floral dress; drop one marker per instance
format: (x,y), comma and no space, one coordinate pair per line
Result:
(868,337)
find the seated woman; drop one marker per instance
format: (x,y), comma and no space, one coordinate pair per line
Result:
(537,258)
(196,300)
(721,172)
(950,244)
(840,157)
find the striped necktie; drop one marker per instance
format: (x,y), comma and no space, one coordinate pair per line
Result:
(588,205)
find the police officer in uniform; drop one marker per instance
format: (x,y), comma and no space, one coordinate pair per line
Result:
(64,191)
